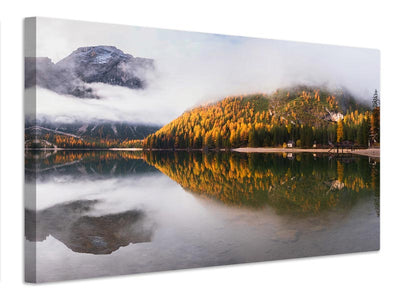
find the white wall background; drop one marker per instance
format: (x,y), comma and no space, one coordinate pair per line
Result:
(373,24)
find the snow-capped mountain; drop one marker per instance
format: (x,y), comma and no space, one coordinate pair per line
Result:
(71,75)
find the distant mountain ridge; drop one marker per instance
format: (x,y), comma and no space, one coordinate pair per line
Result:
(87,134)
(102,64)
(94,130)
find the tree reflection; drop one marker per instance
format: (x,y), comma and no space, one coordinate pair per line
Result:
(302,184)
(45,165)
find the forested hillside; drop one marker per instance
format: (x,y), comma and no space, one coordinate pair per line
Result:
(303,114)
(86,135)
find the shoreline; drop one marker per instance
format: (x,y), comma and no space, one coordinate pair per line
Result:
(83,149)
(370,152)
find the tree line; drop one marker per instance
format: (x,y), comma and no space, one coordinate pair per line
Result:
(72,142)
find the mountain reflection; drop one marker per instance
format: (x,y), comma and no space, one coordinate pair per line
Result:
(302,184)
(71,224)
(93,164)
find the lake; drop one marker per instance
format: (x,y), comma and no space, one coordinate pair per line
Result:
(102,213)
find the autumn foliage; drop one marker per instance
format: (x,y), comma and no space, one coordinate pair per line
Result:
(302,115)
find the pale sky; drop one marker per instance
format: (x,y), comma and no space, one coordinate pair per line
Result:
(193,68)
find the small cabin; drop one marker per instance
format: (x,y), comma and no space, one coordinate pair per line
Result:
(290,144)
(314,144)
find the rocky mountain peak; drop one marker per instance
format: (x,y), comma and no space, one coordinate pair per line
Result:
(85,65)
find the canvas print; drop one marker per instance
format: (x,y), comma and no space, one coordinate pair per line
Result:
(152,150)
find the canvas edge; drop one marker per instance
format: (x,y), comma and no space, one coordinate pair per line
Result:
(30,33)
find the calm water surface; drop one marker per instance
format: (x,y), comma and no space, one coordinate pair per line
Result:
(110,213)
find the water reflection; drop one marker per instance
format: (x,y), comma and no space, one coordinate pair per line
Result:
(72,224)
(42,165)
(157,211)
(300,184)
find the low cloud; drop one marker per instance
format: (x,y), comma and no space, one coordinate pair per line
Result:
(194,68)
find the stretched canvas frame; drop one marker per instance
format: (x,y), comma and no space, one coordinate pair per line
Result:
(151,150)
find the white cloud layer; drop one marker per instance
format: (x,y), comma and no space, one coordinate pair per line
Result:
(192,68)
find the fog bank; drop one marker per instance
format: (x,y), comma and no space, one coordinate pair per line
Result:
(193,68)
